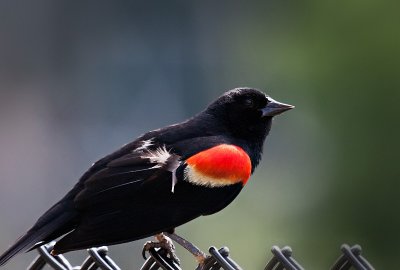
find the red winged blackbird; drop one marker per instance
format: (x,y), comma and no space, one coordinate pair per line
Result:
(161,180)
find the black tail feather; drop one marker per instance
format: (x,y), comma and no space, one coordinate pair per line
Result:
(18,247)
(40,232)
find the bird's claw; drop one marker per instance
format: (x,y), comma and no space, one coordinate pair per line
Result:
(164,243)
(201,259)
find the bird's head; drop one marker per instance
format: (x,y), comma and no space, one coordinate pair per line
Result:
(246,112)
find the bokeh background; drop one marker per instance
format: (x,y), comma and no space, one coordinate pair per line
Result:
(80,78)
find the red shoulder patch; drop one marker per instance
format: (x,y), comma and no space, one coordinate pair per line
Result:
(223,163)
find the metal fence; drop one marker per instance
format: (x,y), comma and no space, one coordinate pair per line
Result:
(98,258)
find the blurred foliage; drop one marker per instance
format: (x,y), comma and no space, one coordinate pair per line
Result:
(78,79)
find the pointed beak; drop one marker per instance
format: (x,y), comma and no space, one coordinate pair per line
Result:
(274,108)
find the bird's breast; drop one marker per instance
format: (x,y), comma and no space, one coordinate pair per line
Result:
(220,165)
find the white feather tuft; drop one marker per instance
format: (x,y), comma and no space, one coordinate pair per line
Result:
(145,145)
(159,155)
(163,158)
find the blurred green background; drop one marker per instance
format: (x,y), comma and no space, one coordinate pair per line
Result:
(80,78)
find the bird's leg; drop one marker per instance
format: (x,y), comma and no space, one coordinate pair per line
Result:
(195,251)
(163,242)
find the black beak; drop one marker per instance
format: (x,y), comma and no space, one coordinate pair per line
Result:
(274,108)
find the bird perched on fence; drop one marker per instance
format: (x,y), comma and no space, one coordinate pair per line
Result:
(162,179)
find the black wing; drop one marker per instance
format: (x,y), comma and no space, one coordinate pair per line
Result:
(132,198)
(123,176)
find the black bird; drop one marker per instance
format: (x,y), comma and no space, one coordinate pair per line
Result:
(162,179)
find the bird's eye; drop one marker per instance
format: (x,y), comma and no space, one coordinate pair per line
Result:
(249,102)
